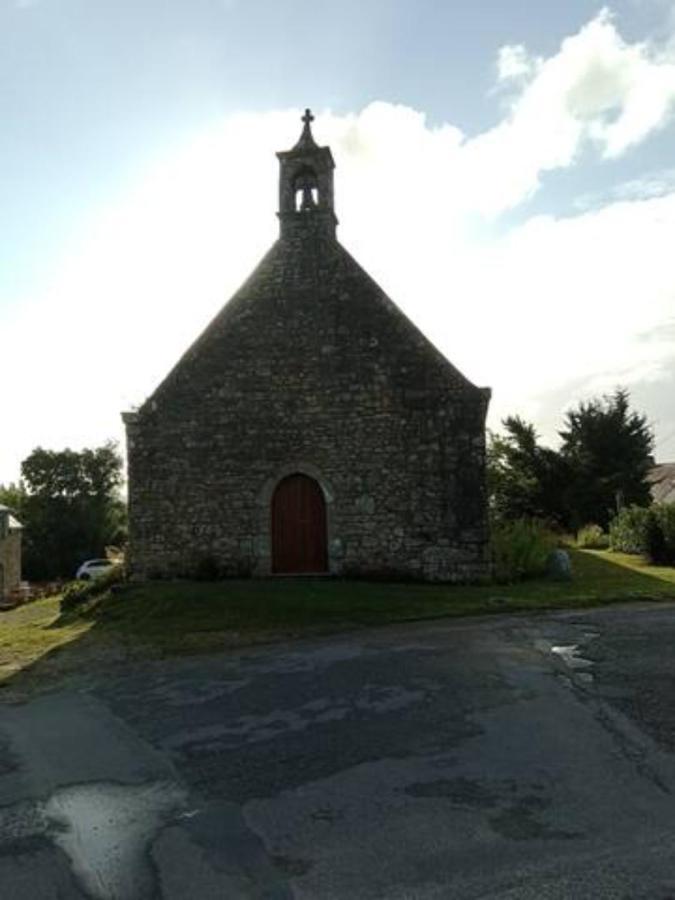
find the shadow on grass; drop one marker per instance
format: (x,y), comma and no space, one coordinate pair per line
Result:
(169,618)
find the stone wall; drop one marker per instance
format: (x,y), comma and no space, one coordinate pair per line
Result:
(311,368)
(10,561)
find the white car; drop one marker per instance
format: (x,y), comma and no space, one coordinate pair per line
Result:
(92,568)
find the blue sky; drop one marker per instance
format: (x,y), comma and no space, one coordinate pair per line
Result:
(94,91)
(112,110)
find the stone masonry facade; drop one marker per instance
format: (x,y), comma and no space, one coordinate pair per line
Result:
(310,368)
(10,553)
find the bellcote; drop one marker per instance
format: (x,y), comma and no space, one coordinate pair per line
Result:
(306,187)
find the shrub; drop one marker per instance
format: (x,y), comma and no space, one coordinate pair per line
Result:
(592,537)
(78,593)
(648,531)
(520,549)
(628,530)
(656,550)
(660,537)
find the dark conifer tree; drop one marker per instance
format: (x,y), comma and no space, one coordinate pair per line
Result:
(607,448)
(525,479)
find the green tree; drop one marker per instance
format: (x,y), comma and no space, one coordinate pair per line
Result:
(13,495)
(72,508)
(525,479)
(607,448)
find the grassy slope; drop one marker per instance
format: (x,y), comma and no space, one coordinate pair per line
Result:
(185,614)
(31,631)
(192,616)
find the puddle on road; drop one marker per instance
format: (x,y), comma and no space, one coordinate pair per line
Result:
(570,655)
(105,829)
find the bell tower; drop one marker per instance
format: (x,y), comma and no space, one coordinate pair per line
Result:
(306,187)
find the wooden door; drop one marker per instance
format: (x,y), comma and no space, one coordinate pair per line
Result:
(299,527)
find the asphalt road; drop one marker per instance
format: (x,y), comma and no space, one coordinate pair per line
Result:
(521,757)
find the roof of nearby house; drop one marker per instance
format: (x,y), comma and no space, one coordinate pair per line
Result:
(662,481)
(14,524)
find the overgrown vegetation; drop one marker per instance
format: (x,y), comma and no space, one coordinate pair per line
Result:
(663,515)
(648,531)
(520,549)
(78,593)
(628,530)
(592,537)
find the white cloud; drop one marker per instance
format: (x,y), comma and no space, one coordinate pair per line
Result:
(648,185)
(572,300)
(554,300)
(597,90)
(515,63)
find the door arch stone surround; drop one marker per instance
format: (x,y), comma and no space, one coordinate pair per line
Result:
(263,543)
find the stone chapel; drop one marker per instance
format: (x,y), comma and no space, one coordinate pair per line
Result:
(311,429)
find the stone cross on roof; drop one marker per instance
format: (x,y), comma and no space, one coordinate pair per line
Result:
(306,140)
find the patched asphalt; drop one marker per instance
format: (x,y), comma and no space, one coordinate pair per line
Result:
(505,757)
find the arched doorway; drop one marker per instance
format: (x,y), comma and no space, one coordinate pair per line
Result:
(299,544)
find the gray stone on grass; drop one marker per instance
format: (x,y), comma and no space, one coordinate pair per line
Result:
(559,565)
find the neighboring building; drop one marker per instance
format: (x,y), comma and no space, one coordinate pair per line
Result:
(311,428)
(10,553)
(662,483)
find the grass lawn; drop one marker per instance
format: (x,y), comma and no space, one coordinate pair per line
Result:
(31,631)
(184,617)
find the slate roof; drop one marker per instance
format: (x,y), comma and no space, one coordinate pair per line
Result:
(301,290)
(662,481)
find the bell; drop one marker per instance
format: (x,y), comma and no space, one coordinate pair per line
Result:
(307,201)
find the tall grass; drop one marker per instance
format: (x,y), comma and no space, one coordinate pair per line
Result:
(520,549)
(592,537)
